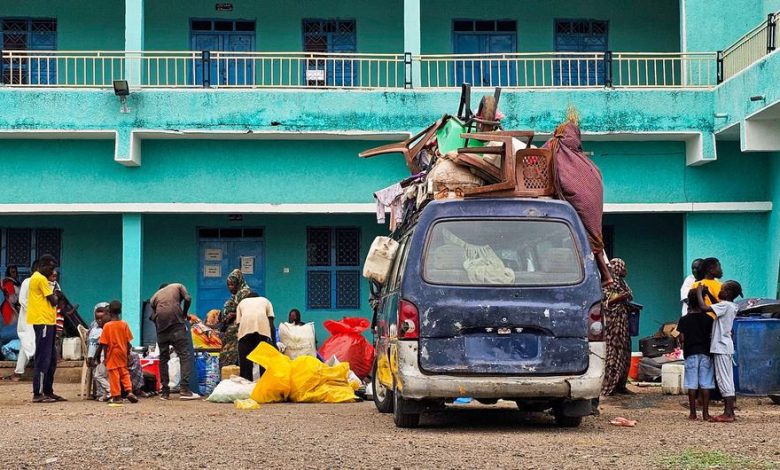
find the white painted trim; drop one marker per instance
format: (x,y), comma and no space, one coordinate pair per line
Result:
(58,134)
(254,134)
(755,114)
(339,208)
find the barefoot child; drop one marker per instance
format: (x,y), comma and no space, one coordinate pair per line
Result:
(722,347)
(116,339)
(695,334)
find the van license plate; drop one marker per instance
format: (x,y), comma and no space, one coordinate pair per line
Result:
(505,331)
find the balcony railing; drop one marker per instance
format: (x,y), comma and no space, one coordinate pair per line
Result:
(751,47)
(197,69)
(570,70)
(183,69)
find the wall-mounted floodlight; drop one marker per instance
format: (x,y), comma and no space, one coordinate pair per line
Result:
(122,90)
(758,98)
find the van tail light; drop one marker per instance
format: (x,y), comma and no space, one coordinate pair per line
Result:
(408,320)
(595,323)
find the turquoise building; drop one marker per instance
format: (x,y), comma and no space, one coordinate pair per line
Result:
(237,144)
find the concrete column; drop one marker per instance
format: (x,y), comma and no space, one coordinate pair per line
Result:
(134,40)
(132,271)
(412,36)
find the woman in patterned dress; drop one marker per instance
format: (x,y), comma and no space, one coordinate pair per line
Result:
(238,289)
(615,309)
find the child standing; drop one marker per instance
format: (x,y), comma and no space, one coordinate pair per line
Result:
(695,334)
(722,346)
(116,339)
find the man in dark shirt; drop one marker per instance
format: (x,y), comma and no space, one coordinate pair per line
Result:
(695,331)
(170,317)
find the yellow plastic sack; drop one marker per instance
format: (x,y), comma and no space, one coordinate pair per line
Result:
(274,384)
(304,380)
(247,404)
(315,382)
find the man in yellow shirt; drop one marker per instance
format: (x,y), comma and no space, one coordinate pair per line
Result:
(712,272)
(42,316)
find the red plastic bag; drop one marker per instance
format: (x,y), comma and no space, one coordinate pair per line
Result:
(348,344)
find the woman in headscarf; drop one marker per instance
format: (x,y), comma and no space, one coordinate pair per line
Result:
(239,289)
(615,310)
(11,286)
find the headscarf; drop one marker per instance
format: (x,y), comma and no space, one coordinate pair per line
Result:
(618,286)
(618,267)
(99,305)
(236,277)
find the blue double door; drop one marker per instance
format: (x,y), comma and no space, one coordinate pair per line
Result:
(228,70)
(488,72)
(217,258)
(580,36)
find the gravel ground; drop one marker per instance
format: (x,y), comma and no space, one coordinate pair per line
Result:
(173,434)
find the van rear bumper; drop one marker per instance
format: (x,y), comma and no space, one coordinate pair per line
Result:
(415,385)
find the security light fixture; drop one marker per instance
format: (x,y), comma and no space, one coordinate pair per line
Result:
(122,90)
(758,98)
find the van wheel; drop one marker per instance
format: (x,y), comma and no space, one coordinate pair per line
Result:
(567,421)
(383,396)
(401,419)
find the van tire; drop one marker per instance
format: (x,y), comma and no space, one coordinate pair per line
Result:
(401,419)
(383,396)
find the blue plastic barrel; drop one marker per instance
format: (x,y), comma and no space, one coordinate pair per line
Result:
(757,355)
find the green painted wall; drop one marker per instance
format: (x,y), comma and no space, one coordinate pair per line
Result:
(81,25)
(713,26)
(658,173)
(652,247)
(737,241)
(91,257)
(279,27)
(634,25)
(773,232)
(171,255)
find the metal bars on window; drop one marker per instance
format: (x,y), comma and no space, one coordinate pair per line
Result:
(333,268)
(20,246)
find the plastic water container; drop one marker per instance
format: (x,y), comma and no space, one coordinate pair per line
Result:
(71,349)
(673,378)
(757,355)
(380,258)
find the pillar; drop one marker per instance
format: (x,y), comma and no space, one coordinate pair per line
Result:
(132,272)
(412,36)
(134,40)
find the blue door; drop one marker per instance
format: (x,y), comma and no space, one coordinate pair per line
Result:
(485,37)
(336,36)
(217,258)
(579,36)
(224,36)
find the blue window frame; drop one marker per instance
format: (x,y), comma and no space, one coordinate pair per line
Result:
(484,37)
(227,36)
(29,34)
(330,36)
(20,246)
(332,268)
(580,35)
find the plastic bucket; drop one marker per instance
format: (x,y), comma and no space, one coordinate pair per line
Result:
(633,371)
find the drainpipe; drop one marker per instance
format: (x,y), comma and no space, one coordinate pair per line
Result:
(720,67)
(771,28)
(608,82)
(206,60)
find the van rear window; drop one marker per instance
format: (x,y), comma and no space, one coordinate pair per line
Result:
(480,252)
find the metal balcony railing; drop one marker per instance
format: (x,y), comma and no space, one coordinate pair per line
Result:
(213,69)
(570,70)
(751,47)
(183,69)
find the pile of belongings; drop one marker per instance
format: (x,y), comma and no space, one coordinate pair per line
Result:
(471,156)
(657,350)
(304,380)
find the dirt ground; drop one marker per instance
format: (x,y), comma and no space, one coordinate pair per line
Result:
(174,434)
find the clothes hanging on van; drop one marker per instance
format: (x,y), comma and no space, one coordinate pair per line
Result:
(391,197)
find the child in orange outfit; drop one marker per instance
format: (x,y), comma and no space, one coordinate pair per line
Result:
(116,339)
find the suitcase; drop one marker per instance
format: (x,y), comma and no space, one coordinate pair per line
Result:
(654,346)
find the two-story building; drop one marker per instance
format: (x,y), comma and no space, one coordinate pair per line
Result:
(237,144)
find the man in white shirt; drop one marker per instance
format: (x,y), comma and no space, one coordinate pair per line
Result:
(23,330)
(255,319)
(696,275)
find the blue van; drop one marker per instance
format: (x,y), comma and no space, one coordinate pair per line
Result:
(491,299)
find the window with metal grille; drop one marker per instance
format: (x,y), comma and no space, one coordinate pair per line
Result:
(333,268)
(21,34)
(330,36)
(20,246)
